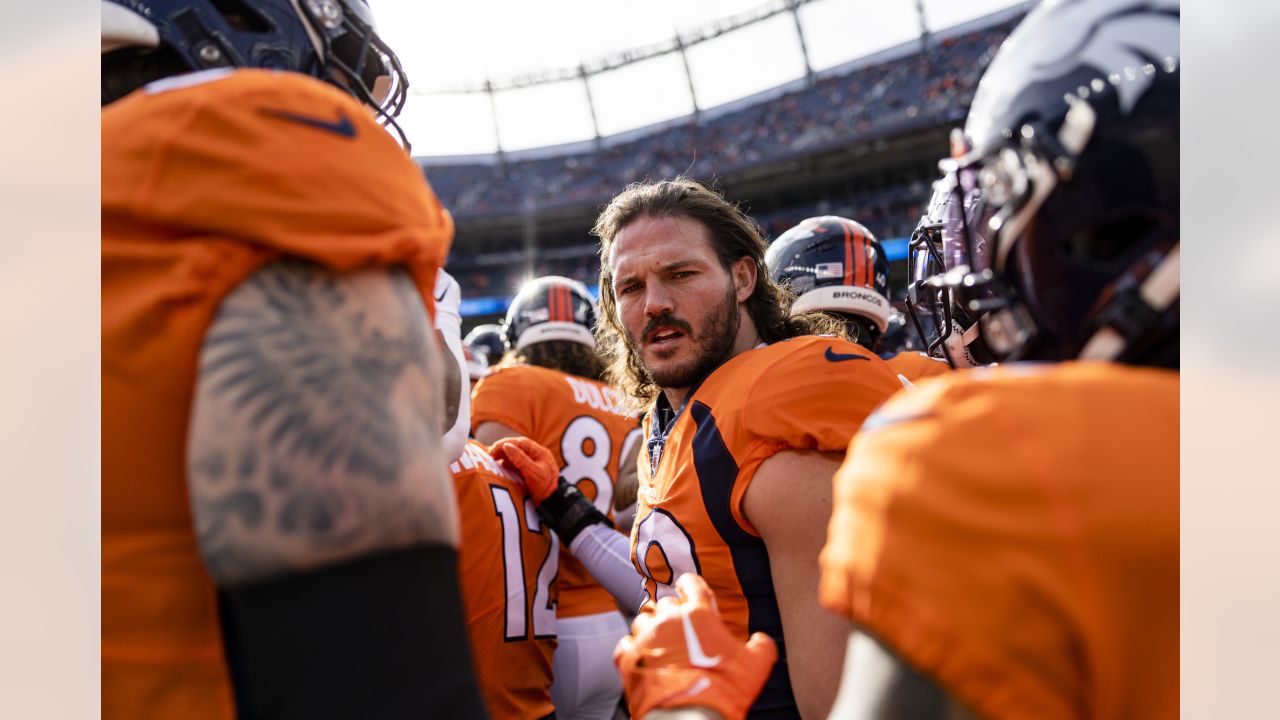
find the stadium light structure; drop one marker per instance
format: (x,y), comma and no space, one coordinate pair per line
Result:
(678,43)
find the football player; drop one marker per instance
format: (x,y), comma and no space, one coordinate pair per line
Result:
(552,394)
(278,525)
(508,562)
(1006,540)
(837,266)
(749,413)
(488,341)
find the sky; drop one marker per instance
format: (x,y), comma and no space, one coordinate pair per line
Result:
(448,44)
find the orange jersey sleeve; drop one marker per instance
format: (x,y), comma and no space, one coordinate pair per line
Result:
(584,425)
(815,393)
(202,184)
(507,566)
(1013,533)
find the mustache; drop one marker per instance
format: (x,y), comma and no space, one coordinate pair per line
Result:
(666,321)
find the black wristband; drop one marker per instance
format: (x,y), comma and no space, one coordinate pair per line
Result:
(380,637)
(567,511)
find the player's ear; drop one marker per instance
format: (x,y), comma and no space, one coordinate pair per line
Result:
(743,272)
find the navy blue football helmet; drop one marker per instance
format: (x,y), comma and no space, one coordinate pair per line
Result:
(836,265)
(551,308)
(334,40)
(487,340)
(949,331)
(1059,230)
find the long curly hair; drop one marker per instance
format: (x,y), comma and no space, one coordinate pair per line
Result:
(563,355)
(734,234)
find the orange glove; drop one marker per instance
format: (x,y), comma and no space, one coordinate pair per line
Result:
(532,462)
(680,654)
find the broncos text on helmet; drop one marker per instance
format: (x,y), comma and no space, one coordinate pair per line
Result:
(1061,235)
(551,308)
(836,265)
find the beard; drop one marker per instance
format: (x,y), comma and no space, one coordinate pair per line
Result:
(712,345)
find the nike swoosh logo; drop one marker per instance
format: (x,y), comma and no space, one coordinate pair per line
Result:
(696,657)
(702,684)
(342,126)
(834,356)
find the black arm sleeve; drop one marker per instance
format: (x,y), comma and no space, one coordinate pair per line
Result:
(567,511)
(380,637)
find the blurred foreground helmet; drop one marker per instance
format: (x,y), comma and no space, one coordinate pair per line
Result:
(836,265)
(487,340)
(1059,235)
(334,40)
(551,308)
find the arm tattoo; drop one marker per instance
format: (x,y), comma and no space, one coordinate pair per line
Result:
(315,432)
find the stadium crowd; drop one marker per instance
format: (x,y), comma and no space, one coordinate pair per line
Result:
(891,213)
(923,88)
(724,489)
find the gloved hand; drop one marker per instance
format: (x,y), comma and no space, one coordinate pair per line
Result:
(560,505)
(680,654)
(532,462)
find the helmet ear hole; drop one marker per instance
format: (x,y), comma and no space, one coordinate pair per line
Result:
(242,17)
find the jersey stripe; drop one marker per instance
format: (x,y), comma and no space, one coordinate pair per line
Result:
(716,471)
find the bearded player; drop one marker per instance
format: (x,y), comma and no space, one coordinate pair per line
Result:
(746,422)
(278,528)
(836,265)
(552,394)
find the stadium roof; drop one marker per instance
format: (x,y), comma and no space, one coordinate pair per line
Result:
(548,58)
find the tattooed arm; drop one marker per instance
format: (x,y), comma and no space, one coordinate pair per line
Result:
(322,504)
(315,432)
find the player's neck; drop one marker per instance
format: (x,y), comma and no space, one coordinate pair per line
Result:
(748,337)
(676,396)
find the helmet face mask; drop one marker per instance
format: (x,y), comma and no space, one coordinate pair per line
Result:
(938,261)
(358,59)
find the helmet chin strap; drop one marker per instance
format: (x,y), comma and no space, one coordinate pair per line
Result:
(1157,292)
(956,346)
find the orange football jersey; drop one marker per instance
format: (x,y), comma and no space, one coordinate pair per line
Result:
(585,426)
(915,366)
(201,186)
(507,564)
(808,393)
(1013,533)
